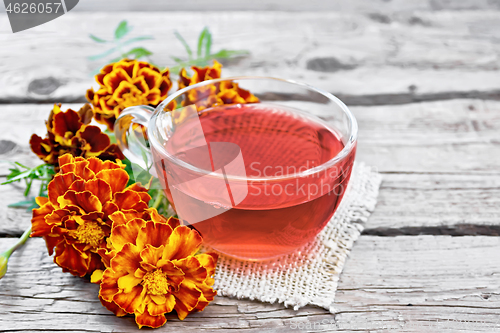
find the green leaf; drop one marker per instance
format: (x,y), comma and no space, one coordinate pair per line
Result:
(225,54)
(97,39)
(19,177)
(122,29)
(137,39)
(117,48)
(201,40)
(29,204)
(21,165)
(208,43)
(204,42)
(138,52)
(177,60)
(103,55)
(184,43)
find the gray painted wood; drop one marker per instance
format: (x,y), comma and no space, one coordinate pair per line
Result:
(440,160)
(377,6)
(407,283)
(445,137)
(409,56)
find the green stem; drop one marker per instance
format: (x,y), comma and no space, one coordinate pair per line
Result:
(158,200)
(19,243)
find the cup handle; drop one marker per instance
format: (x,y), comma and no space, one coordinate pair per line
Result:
(135,147)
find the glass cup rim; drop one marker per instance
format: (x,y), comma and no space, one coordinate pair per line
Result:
(349,145)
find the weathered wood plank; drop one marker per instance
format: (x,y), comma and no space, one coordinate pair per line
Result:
(454,204)
(399,59)
(445,279)
(449,179)
(451,136)
(277,5)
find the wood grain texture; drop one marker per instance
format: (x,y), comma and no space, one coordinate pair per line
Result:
(377,6)
(440,162)
(403,283)
(402,58)
(456,204)
(444,137)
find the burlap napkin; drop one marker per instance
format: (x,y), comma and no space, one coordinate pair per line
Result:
(310,274)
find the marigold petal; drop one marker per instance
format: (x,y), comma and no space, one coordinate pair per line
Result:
(64,123)
(96,277)
(154,234)
(67,256)
(79,168)
(109,284)
(188,295)
(141,85)
(84,200)
(78,185)
(165,86)
(152,78)
(128,282)
(125,233)
(183,242)
(36,146)
(113,79)
(40,201)
(60,185)
(100,189)
(154,96)
(52,242)
(97,140)
(161,304)
(113,307)
(129,200)
(136,187)
(175,275)
(208,261)
(173,222)
(192,269)
(116,178)
(158,218)
(132,301)
(39,226)
(150,255)
(57,217)
(145,319)
(109,208)
(127,259)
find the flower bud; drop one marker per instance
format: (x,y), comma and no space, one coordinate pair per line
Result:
(4,259)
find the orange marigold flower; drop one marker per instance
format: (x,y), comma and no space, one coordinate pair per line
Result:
(200,74)
(155,270)
(69,132)
(226,92)
(74,219)
(127,83)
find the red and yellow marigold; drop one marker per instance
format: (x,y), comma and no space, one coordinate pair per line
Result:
(127,83)
(154,270)
(225,92)
(74,219)
(69,132)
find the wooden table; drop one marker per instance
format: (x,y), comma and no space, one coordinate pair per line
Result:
(424,84)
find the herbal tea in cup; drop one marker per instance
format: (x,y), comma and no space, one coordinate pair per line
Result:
(257,165)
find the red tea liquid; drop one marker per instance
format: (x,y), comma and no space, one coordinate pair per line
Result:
(278,214)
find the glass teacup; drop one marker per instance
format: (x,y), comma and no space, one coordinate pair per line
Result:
(257,165)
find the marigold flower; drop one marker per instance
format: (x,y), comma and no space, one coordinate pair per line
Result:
(74,219)
(70,132)
(155,270)
(127,83)
(200,74)
(226,92)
